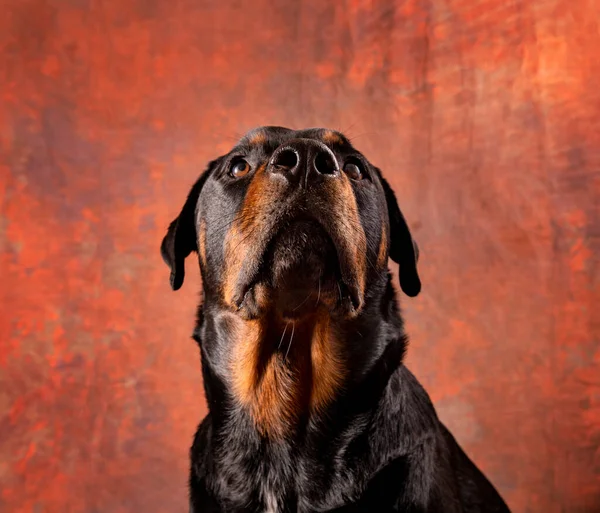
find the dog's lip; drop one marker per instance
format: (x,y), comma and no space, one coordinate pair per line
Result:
(351,292)
(348,289)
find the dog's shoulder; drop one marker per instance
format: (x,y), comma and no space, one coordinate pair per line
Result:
(406,410)
(409,442)
(428,458)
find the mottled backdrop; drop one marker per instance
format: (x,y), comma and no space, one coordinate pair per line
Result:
(484,114)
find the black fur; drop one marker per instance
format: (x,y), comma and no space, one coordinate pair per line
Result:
(379,446)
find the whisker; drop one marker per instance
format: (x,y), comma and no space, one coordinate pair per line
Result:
(361,134)
(242,216)
(283,335)
(319,293)
(346,131)
(244,239)
(291,338)
(305,300)
(369,260)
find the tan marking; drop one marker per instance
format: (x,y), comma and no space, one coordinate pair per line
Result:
(331,137)
(351,234)
(275,390)
(328,368)
(244,356)
(262,383)
(383,249)
(253,226)
(261,295)
(235,253)
(257,139)
(202,241)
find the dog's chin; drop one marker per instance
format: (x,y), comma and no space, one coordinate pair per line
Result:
(300,275)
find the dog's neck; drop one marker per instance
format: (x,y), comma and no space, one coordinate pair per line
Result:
(280,375)
(277,399)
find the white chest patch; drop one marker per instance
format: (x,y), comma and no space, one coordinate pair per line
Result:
(270,499)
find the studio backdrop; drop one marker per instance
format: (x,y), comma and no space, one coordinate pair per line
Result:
(484,116)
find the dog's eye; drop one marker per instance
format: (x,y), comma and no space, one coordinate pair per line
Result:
(239,168)
(353,170)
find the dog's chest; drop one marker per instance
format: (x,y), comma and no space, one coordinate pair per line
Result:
(271,500)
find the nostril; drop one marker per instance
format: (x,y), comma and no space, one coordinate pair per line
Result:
(325,164)
(286,158)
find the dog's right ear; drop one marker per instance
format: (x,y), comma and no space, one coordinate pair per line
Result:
(181,240)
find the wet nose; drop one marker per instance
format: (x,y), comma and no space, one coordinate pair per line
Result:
(304,161)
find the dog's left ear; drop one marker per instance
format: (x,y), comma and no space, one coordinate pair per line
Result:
(403,249)
(180,240)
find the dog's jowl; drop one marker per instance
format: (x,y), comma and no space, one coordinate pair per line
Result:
(302,342)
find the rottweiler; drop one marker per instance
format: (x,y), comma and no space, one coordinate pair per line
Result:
(302,341)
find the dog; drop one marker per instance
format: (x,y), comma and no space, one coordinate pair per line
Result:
(302,341)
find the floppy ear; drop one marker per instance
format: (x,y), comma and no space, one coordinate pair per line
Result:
(180,240)
(403,249)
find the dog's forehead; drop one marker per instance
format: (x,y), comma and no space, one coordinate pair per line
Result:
(275,136)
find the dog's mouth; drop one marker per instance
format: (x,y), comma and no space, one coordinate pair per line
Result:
(301,270)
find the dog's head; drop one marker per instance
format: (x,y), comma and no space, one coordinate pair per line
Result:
(289,220)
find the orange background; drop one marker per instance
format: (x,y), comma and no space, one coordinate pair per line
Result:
(484,114)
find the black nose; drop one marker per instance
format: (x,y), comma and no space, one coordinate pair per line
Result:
(304,160)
